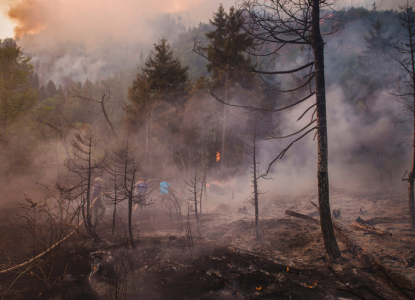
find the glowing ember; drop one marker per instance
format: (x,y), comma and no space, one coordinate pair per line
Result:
(288,269)
(258,288)
(217,156)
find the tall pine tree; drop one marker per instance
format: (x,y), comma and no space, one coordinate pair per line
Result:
(228,46)
(164,72)
(377,43)
(227,49)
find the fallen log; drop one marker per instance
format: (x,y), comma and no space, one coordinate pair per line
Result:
(369,229)
(381,220)
(301,216)
(399,282)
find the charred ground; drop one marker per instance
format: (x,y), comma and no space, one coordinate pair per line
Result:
(226,262)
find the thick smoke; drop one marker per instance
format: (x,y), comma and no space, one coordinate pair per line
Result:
(90,39)
(368,149)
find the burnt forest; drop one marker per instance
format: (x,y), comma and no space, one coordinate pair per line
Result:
(177,150)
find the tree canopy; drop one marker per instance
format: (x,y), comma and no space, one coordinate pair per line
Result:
(163,71)
(16,93)
(228,43)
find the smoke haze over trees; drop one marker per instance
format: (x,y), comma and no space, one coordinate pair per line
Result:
(355,79)
(99,95)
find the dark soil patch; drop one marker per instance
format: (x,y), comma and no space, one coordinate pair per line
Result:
(227,262)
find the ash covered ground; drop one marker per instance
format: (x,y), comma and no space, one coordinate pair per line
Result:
(224,262)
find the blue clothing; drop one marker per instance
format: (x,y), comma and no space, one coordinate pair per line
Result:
(142,187)
(164,188)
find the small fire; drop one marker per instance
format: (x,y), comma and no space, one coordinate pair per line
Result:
(288,269)
(217,156)
(258,288)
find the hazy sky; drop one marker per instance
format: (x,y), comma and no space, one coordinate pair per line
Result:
(6,26)
(92,17)
(79,17)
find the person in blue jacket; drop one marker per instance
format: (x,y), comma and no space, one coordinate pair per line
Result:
(164,189)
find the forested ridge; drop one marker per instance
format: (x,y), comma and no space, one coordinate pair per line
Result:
(55,111)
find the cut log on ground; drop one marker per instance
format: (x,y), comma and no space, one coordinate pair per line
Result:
(301,216)
(369,229)
(381,220)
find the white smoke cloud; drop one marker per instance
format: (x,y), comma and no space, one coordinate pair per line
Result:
(84,39)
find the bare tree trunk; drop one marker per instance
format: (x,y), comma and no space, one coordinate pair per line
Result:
(88,190)
(150,156)
(195,199)
(255,182)
(203,158)
(130,211)
(223,150)
(147,134)
(146,148)
(329,238)
(412,174)
(113,217)
(411,184)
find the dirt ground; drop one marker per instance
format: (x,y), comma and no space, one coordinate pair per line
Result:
(225,262)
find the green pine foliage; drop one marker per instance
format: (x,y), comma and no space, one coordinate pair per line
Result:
(377,42)
(16,93)
(163,71)
(228,43)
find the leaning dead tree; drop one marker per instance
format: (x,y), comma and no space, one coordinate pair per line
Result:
(276,25)
(406,88)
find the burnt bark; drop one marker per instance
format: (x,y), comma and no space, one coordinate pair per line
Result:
(412,174)
(255,181)
(407,95)
(411,198)
(329,238)
(114,214)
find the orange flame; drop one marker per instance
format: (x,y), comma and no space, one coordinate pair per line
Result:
(217,156)
(288,269)
(258,288)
